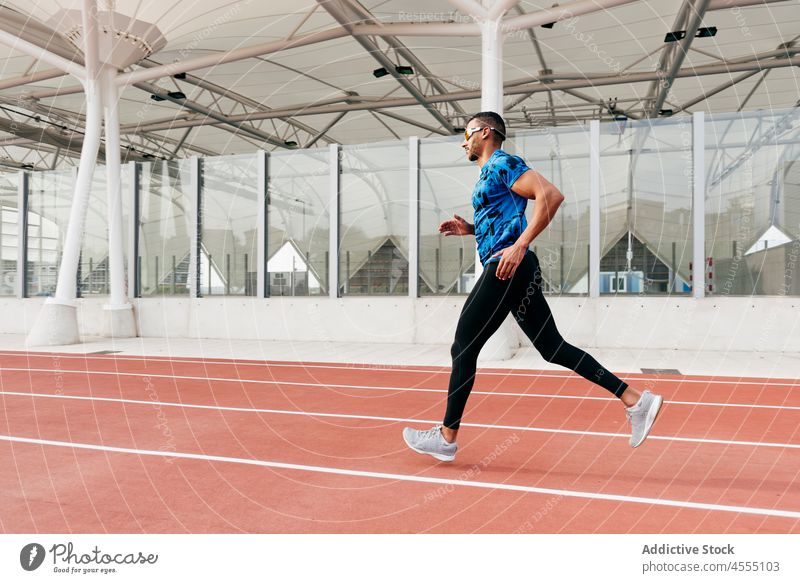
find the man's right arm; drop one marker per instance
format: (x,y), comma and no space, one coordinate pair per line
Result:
(456,226)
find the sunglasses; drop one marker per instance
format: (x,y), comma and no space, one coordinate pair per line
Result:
(469,131)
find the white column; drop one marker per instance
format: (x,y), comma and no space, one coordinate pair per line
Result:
(261,227)
(333,246)
(194,226)
(118,292)
(698,206)
(67,272)
(492,66)
(413,217)
(594,208)
(133,227)
(22,232)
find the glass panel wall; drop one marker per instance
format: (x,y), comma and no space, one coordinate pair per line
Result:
(646,206)
(9,233)
(93,269)
(165,223)
(49,205)
(446,180)
(373,237)
(231,198)
(561,155)
(298,222)
(752,218)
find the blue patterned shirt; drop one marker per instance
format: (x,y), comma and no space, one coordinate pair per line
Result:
(499,212)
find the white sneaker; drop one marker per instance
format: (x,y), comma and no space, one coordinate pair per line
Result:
(642,416)
(431,442)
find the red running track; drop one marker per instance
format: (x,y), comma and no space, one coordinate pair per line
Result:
(160,445)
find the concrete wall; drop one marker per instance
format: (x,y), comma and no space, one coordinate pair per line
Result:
(765,324)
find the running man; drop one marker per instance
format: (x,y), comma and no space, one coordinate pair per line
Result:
(511,282)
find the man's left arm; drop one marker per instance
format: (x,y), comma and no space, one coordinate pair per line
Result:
(548,198)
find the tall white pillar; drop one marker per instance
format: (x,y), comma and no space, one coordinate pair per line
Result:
(57,322)
(502,344)
(119,312)
(492,66)
(698,206)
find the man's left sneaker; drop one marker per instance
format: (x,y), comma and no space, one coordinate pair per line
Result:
(642,416)
(431,442)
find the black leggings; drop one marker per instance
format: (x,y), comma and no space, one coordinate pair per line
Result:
(487,306)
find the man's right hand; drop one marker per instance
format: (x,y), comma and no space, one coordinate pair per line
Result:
(456,226)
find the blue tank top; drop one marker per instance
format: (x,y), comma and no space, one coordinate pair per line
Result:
(499,212)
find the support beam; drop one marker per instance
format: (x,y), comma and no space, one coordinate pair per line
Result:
(405,53)
(215,59)
(227,93)
(559,13)
(715,90)
(599,102)
(37,52)
(32,78)
(695,18)
(386,63)
(512,88)
(470,8)
(324,130)
(500,7)
(226,121)
(412,122)
(728,4)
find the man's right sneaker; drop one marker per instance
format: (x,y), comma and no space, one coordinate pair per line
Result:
(430,442)
(642,416)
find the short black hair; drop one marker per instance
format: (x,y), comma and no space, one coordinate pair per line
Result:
(493,120)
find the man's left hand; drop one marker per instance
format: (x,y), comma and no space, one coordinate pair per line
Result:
(510,258)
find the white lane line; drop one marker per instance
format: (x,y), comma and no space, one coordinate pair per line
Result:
(414,478)
(392,368)
(402,420)
(394,389)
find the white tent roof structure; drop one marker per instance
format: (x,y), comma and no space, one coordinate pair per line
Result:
(309,81)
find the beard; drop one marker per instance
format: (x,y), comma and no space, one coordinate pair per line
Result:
(472,156)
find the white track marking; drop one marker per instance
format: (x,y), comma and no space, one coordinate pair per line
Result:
(415,478)
(387,368)
(382,388)
(402,420)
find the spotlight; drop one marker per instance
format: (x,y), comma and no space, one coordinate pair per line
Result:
(706,31)
(378,73)
(674,36)
(549,25)
(155,97)
(290,144)
(404,70)
(177,94)
(665,112)
(180,75)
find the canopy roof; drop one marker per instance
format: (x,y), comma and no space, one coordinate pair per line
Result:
(600,64)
